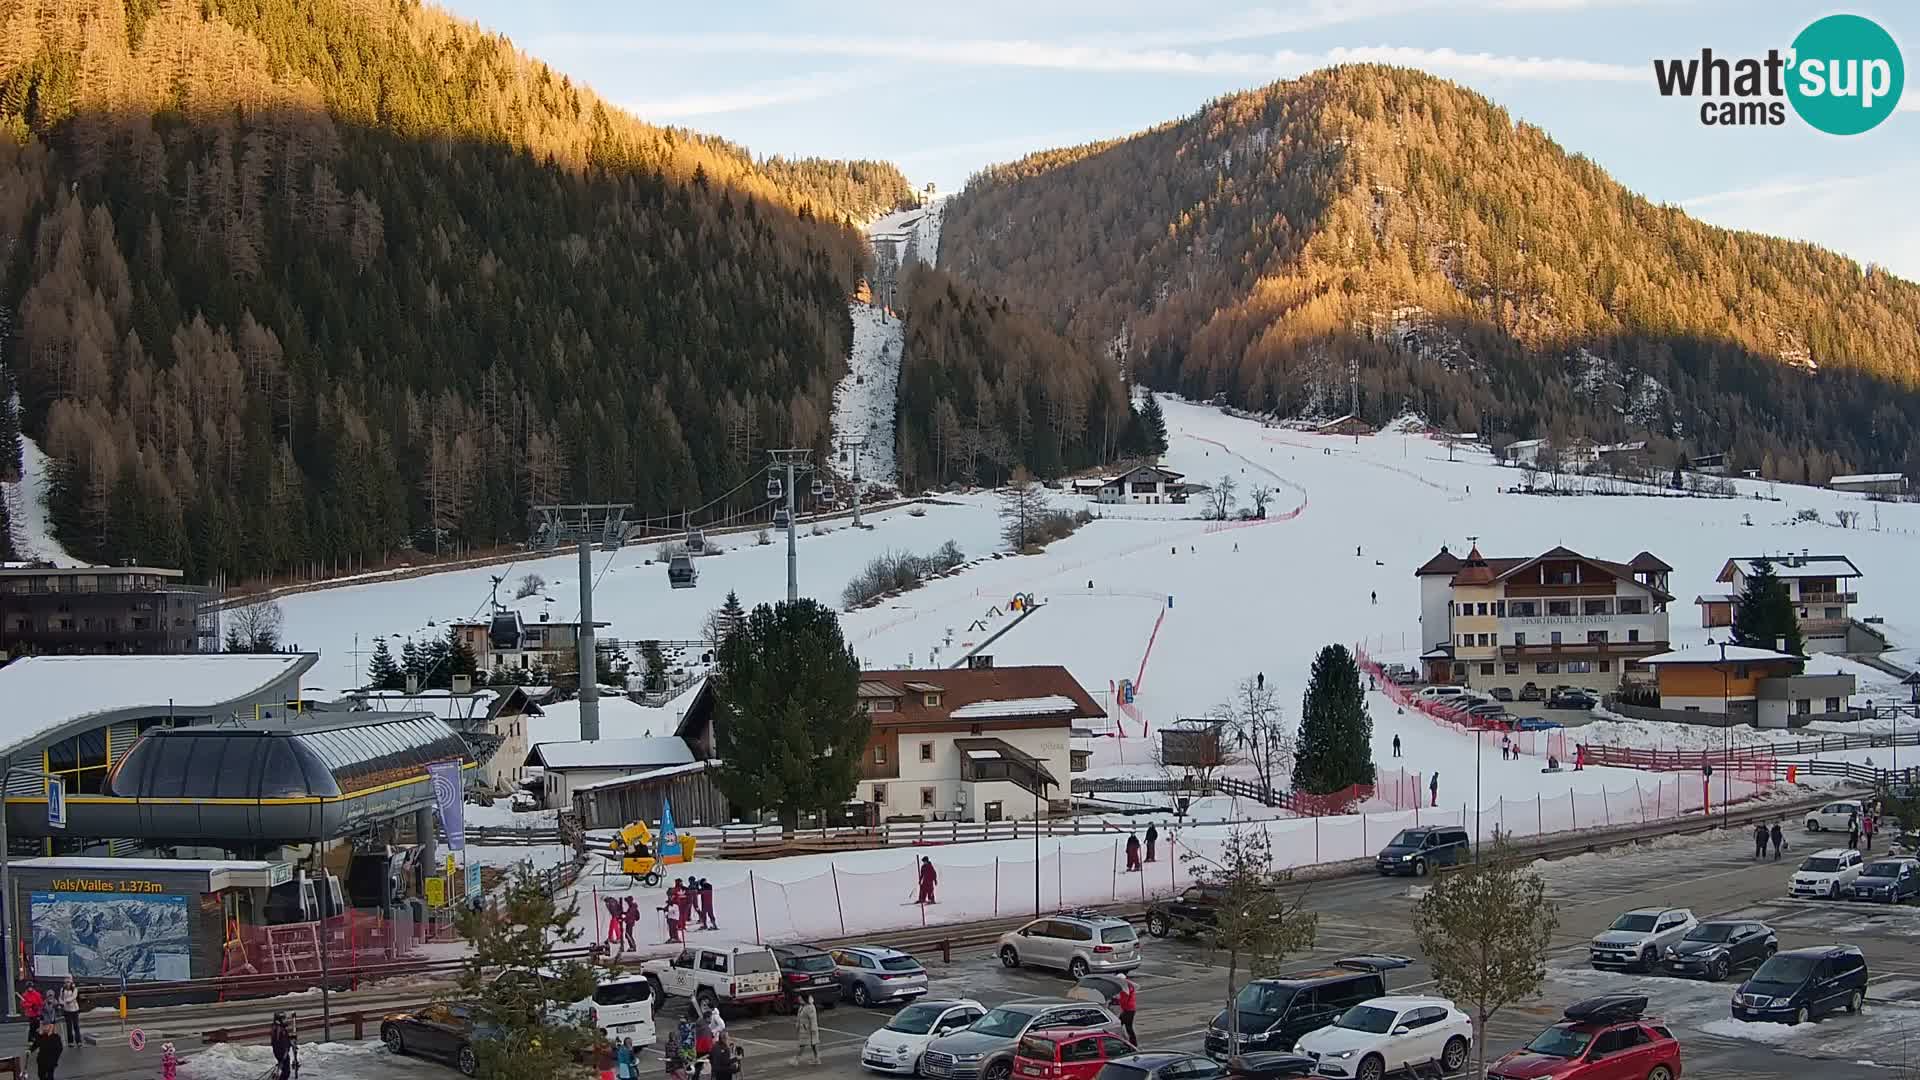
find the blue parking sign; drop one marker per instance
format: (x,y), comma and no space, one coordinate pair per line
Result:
(56,803)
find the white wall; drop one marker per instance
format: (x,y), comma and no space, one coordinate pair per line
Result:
(1050,745)
(1436,607)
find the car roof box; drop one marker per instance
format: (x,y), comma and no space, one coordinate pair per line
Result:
(1608,1008)
(1376,962)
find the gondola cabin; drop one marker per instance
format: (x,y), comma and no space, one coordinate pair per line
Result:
(681,572)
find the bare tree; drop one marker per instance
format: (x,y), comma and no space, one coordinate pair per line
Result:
(1221,497)
(1023,506)
(1191,753)
(1256,731)
(1260,495)
(529,585)
(254,628)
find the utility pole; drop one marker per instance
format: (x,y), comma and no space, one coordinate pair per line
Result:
(589,666)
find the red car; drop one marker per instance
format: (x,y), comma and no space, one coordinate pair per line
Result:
(1603,1038)
(1067,1053)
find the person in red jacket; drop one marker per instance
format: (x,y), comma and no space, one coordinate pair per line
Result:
(32,1004)
(1126,1002)
(685,900)
(928,879)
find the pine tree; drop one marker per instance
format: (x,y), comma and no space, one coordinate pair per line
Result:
(436,657)
(789,729)
(460,659)
(518,988)
(382,672)
(656,665)
(1153,427)
(1765,617)
(413,664)
(1335,748)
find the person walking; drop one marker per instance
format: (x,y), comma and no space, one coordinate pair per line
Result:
(1376,598)
(623,1059)
(724,1058)
(1133,853)
(1778,839)
(32,1005)
(1853,831)
(1126,1002)
(1506,747)
(928,879)
(1153,840)
(1759,842)
(1396,746)
(629,917)
(70,1010)
(707,921)
(1866,833)
(1433,785)
(169,1062)
(282,1043)
(806,1030)
(47,1046)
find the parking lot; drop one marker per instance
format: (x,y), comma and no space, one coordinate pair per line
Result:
(1181,988)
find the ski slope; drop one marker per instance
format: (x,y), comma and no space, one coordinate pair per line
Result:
(27,509)
(864,401)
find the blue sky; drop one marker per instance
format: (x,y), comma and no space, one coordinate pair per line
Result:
(944,89)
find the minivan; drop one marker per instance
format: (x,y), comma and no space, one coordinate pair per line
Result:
(1417,850)
(1804,984)
(623,1008)
(1274,1013)
(1440,693)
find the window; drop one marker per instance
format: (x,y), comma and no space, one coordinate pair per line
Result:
(1739,671)
(1596,607)
(1500,608)
(1632,605)
(1525,609)
(880,755)
(926,796)
(1466,640)
(1459,671)
(1466,609)
(932,701)
(1633,635)
(1547,667)
(1830,613)
(880,705)
(713,961)
(1555,637)
(1081,1050)
(926,751)
(1512,669)
(1559,607)
(1606,665)
(1484,640)
(1579,667)
(1519,637)
(1803,707)
(1487,669)
(1481,609)
(879,793)
(1833,704)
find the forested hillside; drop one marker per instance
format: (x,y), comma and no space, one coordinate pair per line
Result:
(1473,269)
(985,389)
(300,282)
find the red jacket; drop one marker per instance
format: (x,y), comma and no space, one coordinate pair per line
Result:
(1124,1001)
(927,876)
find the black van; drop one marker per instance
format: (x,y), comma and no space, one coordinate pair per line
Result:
(1274,1013)
(1804,984)
(1419,849)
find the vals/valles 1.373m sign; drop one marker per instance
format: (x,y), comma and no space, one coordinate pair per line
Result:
(1843,75)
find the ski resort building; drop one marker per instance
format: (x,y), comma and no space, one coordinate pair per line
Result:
(51,610)
(1143,484)
(1559,618)
(1871,483)
(1747,686)
(1823,593)
(511,639)
(493,721)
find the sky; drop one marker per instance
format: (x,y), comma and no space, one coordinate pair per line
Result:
(943,90)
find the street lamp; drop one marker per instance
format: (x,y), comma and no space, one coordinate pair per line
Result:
(1479,751)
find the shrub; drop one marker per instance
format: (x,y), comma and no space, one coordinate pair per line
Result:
(898,572)
(529,585)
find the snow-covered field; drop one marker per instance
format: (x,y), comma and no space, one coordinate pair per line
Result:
(27,509)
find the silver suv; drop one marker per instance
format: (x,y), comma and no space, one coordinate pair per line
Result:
(1637,937)
(1076,942)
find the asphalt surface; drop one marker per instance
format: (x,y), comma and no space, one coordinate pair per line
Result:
(1181,988)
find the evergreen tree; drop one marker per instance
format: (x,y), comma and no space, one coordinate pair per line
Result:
(436,657)
(1335,748)
(656,664)
(731,613)
(382,672)
(460,659)
(517,987)
(413,664)
(789,729)
(1765,617)
(1153,428)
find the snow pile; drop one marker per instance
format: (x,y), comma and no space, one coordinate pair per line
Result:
(27,508)
(232,1061)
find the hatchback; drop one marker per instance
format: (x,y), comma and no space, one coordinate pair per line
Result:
(875,974)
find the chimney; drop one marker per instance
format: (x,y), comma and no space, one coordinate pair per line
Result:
(463,684)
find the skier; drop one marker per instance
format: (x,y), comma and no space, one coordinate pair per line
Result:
(1506,747)
(1396,746)
(614,939)
(707,921)
(928,879)
(1153,839)
(686,908)
(282,1042)
(1376,598)
(1133,854)
(1433,785)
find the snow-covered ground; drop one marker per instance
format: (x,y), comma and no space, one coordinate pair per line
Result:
(27,508)
(863,403)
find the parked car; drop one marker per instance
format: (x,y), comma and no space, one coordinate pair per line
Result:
(877,975)
(1804,984)
(1176,1065)
(1826,873)
(1715,948)
(714,975)
(897,1047)
(1067,1054)
(1571,697)
(1274,1013)
(1501,693)
(984,1050)
(1439,693)
(1638,937)
(1530,692)
(1888,881)
(1418,850)
(1406,676)
(806,972)
(1836,815)
(1076,942)
(1600,1039)
(1387,1034)
(1490,710)
(622,1008)
(1536,723)
(444,1030)
(1193,911)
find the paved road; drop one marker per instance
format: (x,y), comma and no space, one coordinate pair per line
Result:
(1181,988)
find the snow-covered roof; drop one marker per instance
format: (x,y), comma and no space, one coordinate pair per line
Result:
(1711,654)
(645,774)
(1794,566)
(49,694)
(612,753)
(1035,706)
(1868,478)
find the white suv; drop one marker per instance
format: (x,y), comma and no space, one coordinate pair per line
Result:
(1076,942)
(1837,816)
(1826,874)
(717,974)
(1387,1034)
(622,1008)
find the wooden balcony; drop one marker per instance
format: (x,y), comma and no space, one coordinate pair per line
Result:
(1547,650)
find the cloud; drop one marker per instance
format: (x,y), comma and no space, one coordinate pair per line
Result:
(1020,53)
(1842,213)
(751,96)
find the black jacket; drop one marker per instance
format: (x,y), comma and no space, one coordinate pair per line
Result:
(49,1048)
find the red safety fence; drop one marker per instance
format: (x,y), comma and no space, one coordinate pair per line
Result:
(1540,743)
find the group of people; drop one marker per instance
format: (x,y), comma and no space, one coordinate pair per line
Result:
(46,1014)
(697,1043)
(1134,862)
(685,900)
(1762,835)
(1860,830)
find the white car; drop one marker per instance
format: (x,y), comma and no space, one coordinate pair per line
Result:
(1387,1034)
(1440,693)
(622,1008)
(737,974)
(1826,874)
(1836,816)
(897,1047)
